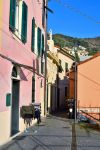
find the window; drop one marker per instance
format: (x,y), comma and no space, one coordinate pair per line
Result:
(42,43)
(41,83)
(14,72)
(33,89)
(60,61)
(24,23)
(39,41)
(33,35)
(66,67)
(12,15)
(18,16)
(18,19)
(66,90)
(42,65)
(37,65)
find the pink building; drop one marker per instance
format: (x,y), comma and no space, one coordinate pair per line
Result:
(88,86)
(22,61)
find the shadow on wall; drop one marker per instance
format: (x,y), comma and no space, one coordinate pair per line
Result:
(22,75)
(57,93)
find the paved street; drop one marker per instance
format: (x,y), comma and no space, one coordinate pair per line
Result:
(55,133)
(87,139)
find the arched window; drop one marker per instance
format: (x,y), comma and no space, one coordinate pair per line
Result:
(14,72)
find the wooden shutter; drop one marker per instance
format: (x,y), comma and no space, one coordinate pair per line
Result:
(42,67)
(12,15)
(37,65)
(39,41)
(42,42)
(24,22)
(33,34)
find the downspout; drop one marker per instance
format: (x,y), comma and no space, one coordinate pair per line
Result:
(45,79)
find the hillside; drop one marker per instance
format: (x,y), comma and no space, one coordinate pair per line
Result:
(91,44)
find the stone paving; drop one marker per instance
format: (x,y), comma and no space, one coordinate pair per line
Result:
(87,139)
(55,133)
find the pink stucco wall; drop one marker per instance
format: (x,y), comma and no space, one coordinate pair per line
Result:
(88,83)
(19,52)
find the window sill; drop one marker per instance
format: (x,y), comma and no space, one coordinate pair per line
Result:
(16,37)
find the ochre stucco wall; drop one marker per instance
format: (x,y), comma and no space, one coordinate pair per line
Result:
(88,83)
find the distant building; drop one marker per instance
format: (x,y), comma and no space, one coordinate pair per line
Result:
(66,60)
(59,61)
(53,68)
(69,50)
(81,51)
(82,58)
(88,86)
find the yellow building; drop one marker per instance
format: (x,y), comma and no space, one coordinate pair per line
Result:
(66,60)
(58,63)
(53,67)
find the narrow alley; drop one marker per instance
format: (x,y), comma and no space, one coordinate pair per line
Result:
(55,133)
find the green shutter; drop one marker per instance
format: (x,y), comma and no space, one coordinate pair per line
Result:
(24,22)
(39,41)
(12,15)
(42,67)
(8,99)
(33,34)
(42,42)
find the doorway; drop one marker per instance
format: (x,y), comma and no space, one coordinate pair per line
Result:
(58,97)
(15,107)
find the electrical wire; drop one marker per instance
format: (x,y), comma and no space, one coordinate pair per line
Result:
(27,52)
(89,79)
(69,6)
(11,37)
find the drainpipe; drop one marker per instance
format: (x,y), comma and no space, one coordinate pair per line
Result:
(75,95)
(75,88)
(45,80)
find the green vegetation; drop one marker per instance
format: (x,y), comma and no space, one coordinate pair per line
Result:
(91,44)
(77,57)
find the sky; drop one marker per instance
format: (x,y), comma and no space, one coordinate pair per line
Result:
(76,18)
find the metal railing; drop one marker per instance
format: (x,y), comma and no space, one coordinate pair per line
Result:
(90,116)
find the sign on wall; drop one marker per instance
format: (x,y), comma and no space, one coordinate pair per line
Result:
(8,99)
